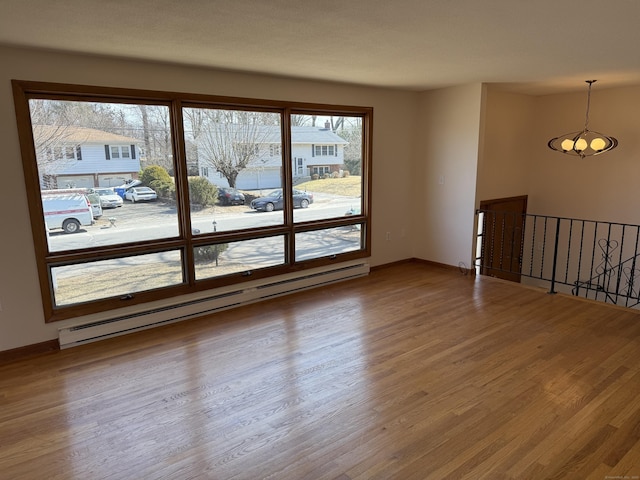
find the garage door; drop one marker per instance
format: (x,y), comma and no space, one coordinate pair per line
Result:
(113,179)
(75,181)
(255,179)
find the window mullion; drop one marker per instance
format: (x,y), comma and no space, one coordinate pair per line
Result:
(182,188)
(288,184)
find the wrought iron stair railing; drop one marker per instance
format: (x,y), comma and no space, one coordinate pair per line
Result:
(592,259)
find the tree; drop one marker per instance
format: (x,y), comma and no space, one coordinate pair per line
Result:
(155,130)
(194,120)
(232,140)
(351,131)
(303,120)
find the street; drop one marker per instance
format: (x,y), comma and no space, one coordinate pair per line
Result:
(157,220)
(138,222)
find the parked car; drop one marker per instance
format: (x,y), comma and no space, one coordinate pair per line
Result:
(67,211)
(140,194)
(96,207)
(230,196)
(108,197)
(353,211)
(275,201)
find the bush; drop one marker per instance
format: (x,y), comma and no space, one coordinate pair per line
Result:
(164,189)
(159,179)
(153,173)
(202,191)
(209,253)
(345,173)
(335,175)
(315,176)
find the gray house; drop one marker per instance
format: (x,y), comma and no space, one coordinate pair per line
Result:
(314,151)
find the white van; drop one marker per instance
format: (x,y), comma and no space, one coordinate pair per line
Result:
(68,211)
(93,198)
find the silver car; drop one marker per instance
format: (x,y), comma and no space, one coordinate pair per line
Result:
(108,197)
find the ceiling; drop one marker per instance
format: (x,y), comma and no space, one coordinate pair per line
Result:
(536,47)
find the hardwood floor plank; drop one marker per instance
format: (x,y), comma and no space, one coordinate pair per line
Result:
(414,372)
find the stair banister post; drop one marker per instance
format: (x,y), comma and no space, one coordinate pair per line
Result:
(555,256)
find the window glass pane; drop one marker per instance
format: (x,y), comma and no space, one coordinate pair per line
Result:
(238,157)
(327,165)
(328,242)
(79,151)
(235,257)
(116,277)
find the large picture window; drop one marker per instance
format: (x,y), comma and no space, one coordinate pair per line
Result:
(137,196)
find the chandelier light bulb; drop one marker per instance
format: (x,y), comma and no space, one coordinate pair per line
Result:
(567,144)
(598,144)
(581,145)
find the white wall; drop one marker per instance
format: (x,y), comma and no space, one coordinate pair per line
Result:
(508,124)
(444,185)
(21,318)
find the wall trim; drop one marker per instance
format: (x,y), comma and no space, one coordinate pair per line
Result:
(461,268)
(8,356)
(21,353)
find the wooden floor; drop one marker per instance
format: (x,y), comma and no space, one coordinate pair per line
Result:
(413,372)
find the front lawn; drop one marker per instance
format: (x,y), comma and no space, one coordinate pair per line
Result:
(350,186)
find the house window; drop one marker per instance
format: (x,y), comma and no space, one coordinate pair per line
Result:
(321,170)
(184,247)
(324,150)
(60,153)
(119,151)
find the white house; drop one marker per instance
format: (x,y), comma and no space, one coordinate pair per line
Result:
(79,157)
(313,150)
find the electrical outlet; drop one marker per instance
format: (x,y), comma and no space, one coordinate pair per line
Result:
(441,180)
(388,236)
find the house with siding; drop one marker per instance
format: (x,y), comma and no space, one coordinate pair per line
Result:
(314,150)
(79,157)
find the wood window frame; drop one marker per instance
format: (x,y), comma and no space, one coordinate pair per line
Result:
(23,91)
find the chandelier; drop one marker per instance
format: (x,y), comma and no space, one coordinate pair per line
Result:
(584,143)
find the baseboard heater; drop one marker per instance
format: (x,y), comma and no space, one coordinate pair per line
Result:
(222,299)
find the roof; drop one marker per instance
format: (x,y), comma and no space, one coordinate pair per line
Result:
(299,135)
(79,135)
(315,135)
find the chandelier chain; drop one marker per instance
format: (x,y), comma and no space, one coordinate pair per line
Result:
(586,119)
